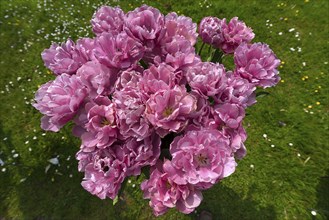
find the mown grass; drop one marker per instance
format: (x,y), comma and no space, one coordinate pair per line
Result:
(284,176)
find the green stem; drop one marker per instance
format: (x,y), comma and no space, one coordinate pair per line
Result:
(203,43)
(211,53)
(217,57)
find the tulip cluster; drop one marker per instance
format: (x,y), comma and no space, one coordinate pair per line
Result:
(140,97)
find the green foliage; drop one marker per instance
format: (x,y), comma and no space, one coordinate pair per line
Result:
(284,175)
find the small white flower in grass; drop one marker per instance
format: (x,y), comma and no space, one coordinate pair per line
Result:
(2,163)
(291,29)
(70,175)
(280,33)
(22,180)
(304,63)
(15,155)
(298,155)
(3,169)
(43,134)
(265,136)
(272,145)
(291,144)
(5,138)
(313,212)
(252,166)
(35,137)
(30,149)
(26,142)
(54,161)
(292,49)
(13,151)
(134,185)
(129,181)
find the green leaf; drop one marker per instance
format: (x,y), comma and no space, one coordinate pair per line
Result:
(123,186)
(115,200)
(143,64)
(146,171)
(261,94)
(211,100)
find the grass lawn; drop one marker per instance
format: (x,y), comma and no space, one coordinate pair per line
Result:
(285,174)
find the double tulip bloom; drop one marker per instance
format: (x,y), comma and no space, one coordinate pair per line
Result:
(138,88)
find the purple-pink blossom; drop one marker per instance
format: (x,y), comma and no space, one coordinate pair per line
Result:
(98,78)
(164,193)
(227,37)
(118,51)
(65,58)
(234,33)
(230,114)
(59,101)
(179,53)
(156,78)
(129,78)
(258,64)
(237,138)
(105,170)
(203,116)
(141,99)
(101,127)
(210,31)
(207,78)
(238,91)
(180,26)
(201,158)
(86,48)
(131,113)
(108,19)
(168,110)
(145,24)
(142,153)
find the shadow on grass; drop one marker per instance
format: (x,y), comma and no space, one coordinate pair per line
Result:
(323,196)
(5,181)
(56,193)
(65,199)
(40,198)
(227,204)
